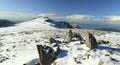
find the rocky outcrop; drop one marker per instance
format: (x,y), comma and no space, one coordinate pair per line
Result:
(69,36)
(6,23)
(75,26)
(64,24)
(90,41)
(61,24)
(45,57)
(78,37)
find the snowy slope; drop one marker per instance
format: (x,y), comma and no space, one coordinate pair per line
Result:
(18,45)
(38,23)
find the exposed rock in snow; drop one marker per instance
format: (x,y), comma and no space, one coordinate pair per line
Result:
(64,24)
(90,41)
(6,23)
(69,36)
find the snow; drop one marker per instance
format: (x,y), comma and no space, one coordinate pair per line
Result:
(38,23)
(18,45)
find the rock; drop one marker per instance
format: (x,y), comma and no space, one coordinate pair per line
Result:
(55,63)
(37,63)
(57,52)
(100,62)
(79,37)
(52,40)
(69,36)
(110,51)
(75,59)
(2,59)
(87,55)
(102,42)
(90,41)
(50,50)
(64,24)
(6,23)
(45,57)
(75,26)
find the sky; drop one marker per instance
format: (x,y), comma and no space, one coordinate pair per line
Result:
(86,11)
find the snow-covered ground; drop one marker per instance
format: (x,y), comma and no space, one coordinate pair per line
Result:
(38,23)
(18,45)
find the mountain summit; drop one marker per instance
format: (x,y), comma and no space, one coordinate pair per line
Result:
(39,22)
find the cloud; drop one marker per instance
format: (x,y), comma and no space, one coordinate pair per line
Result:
(17,15)
(23,16)
(113,18)
(79,17)
(52,16)
(72,18)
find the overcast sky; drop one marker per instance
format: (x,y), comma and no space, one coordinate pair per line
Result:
(105,11)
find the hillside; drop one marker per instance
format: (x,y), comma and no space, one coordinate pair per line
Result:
(18,45)
(6,23)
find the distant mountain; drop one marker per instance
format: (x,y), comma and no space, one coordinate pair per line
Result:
(109,29)
(64,24)
(40,21)
(6,23)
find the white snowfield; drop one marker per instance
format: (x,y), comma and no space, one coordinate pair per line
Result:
(18,45)
(38,23)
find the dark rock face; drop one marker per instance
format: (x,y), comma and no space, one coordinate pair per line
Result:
(6,23)
(90,41)
(61,24)
(75,26)
(55,24)
(64,24)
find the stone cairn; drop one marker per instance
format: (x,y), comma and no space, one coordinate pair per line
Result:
(47,58)
(90,41)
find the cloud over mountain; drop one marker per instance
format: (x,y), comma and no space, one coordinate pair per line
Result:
(79,17)
(23,16)
(113,18)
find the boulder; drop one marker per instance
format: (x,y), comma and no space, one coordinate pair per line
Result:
(47,58)
(52,40)
(69,36)
(78,37)
(101,62)
(90,41)
(102,42)
(75,26)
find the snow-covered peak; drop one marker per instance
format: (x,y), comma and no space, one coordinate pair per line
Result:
(40,23)
(37,21)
